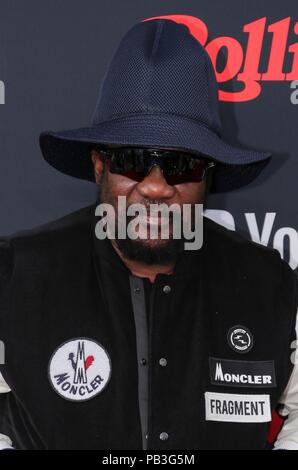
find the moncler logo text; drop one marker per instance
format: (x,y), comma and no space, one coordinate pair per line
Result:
(242,373)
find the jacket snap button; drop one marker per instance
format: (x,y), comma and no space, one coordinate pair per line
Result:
(163,362)
(166,289)
(163,436)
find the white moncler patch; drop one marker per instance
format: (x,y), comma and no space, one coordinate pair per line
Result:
(79,369)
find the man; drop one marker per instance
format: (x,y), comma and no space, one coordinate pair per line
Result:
(138,343)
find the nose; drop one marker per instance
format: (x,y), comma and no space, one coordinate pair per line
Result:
(155,186)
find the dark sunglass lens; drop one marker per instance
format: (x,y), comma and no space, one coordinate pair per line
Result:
(128,162)
(187,170)
(177,167)
(173,165)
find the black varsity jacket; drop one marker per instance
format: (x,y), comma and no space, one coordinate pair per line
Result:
(97,359)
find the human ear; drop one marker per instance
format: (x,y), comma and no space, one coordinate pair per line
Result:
(98,164)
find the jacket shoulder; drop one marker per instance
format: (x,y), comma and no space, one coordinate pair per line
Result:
(226,239)
(252,264)
(6,259)
(50,240)
(236,253)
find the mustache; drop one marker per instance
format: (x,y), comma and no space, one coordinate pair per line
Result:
(148,202)
(154,208)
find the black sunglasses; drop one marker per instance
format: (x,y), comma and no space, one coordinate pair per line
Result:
(177,166)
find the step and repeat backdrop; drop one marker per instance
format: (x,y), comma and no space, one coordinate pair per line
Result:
(53,55)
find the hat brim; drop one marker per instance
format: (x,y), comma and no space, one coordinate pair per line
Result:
(69,151)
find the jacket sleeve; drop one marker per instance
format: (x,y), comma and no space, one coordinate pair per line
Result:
(6,265)
(287,438)
(5,441)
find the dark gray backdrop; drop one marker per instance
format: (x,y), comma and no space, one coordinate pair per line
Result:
(53,55)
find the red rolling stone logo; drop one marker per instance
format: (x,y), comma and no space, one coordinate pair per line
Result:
(243,65)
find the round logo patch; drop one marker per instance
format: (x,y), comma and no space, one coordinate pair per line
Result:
(79,369)
(240,339)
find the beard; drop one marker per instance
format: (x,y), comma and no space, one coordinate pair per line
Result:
(148,251)
(151,254)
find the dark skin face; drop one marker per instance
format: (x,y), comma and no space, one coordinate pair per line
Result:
(152,188)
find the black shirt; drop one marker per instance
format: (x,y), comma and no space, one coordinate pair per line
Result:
(148,290)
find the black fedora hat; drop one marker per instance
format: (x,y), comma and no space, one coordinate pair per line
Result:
(159,90)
